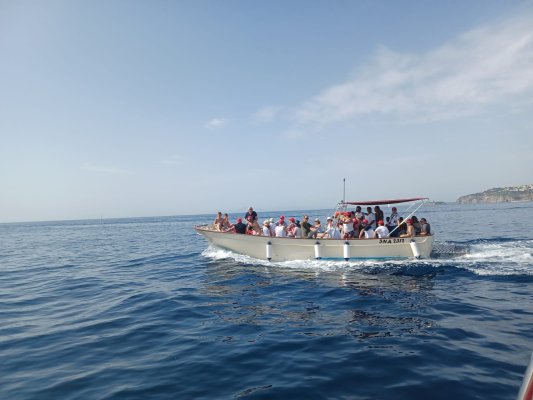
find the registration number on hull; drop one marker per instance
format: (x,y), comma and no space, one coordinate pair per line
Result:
(391,241)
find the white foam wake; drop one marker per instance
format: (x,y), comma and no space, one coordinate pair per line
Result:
(500,258)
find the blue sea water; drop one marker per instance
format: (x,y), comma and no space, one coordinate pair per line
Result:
(141,308)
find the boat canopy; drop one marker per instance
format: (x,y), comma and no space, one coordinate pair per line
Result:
(381,202)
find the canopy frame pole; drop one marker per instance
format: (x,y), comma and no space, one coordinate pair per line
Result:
(422,202)
(343,190)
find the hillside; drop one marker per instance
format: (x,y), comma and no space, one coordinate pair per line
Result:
(500,195)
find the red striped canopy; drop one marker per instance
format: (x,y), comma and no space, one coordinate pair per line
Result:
(381,202)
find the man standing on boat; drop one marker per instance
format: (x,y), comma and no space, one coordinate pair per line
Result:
(250,213)
(370,217)
(306,226)
(378,214)
(393,220)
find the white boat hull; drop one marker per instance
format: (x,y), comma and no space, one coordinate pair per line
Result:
(283,249)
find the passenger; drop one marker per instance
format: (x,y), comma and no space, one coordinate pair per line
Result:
(239,227)
(251,213)
(348,231)
(358,224)
(425,228)
(410,232)
(249,229)
(293,230)
(370,216)
(217,223)
(266,228)
(282,221)
(356,228)
(381,231)
(281,230)
(367,232)
(416,224)
(315,230)
(272,227)
(359,214)
(378,214)
(306,226)
(402,227)
(331,230)
(393,219)
(253,227)
(226,225)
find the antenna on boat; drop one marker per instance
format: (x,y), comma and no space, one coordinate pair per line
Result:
(343,190)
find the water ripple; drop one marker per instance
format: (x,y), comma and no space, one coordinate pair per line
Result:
(135,309)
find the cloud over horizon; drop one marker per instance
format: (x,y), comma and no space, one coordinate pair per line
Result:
(484,67)
(216,123)
(266,114)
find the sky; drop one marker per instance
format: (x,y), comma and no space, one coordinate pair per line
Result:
(128,108)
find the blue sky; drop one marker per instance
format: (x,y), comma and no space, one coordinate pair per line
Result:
(138,108)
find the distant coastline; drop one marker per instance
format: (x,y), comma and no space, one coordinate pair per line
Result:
(500,195)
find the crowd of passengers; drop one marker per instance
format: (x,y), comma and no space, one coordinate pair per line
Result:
(343,225)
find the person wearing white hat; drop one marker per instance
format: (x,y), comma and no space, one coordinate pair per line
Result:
(331,230)
(266,228)
(272,227)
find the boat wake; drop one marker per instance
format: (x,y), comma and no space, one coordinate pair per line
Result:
(481,257)
(499,257)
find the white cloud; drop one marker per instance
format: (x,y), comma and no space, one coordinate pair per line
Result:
(266,114)
(216,123)
(106,169)
(485,67)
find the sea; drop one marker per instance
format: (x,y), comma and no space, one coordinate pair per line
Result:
(143,308)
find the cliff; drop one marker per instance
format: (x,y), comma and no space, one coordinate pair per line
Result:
(500,195)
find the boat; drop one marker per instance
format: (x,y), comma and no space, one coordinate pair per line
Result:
(286,249)
(526,390)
